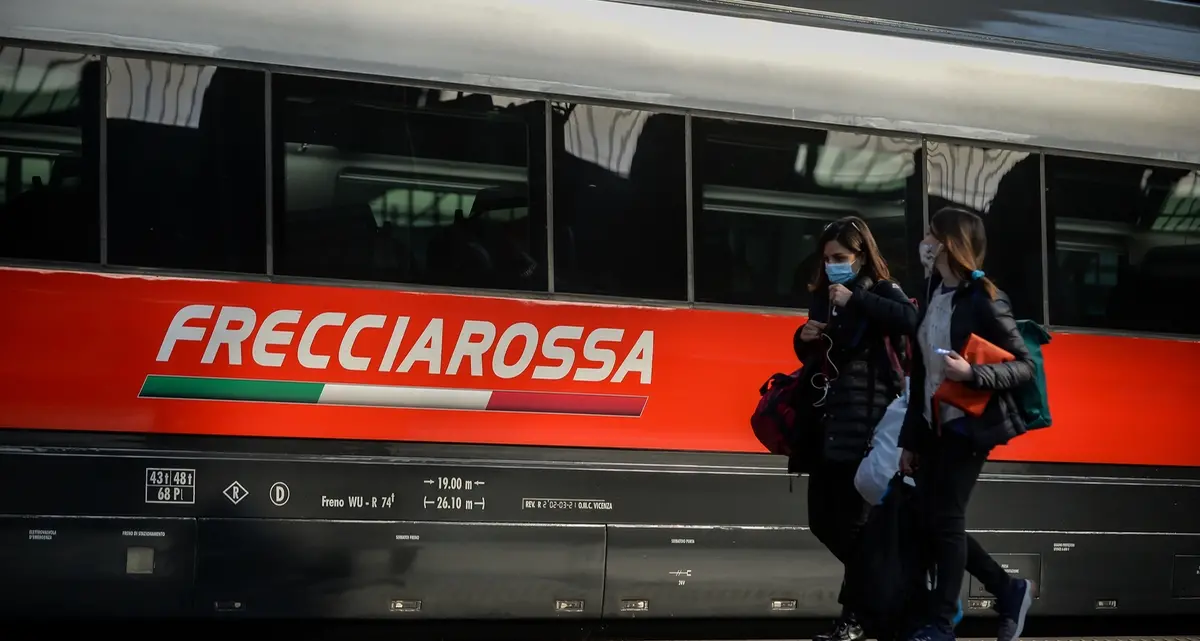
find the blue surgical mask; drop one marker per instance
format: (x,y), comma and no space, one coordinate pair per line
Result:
(839,273)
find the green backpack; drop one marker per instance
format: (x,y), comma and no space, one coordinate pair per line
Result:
(1031,397)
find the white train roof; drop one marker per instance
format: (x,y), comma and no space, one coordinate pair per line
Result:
(592,49)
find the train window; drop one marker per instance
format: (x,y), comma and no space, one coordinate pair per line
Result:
(764,194)
(186,166)
(620,202)
(49,155)
(401,184)
(1125,243)
(1004,187)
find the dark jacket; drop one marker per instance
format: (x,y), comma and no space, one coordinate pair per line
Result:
(991,320)
(866,382)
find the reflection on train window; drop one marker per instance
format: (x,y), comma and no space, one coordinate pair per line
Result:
(49,155)
(401,184)
(1125,242)
(620,202)
(1004,187)
(186,166)
(765,193)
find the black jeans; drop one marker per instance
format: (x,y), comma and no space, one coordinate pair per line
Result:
(836,515)
(945,477)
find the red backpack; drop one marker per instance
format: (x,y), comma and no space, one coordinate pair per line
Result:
(790,408)
(775,421)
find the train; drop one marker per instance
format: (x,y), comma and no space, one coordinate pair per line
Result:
(458,310)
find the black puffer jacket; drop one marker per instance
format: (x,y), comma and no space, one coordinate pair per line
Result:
(866,382)
(991,320)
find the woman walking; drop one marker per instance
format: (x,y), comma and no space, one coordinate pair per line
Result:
(945,448)
(856,306)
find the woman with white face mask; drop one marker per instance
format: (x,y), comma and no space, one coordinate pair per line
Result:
(855,306)
(946,448)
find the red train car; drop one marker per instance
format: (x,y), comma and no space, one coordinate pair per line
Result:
(305,318)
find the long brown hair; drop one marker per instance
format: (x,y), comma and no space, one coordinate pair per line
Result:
(852,233)
(964,240)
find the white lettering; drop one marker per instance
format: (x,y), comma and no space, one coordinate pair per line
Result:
(268,335)
(305,355)
(564,355)
(466,348)
(393,347)
(427,350)
(346,356)
(504,370)
(640,359)
(222,334)
(606,357)
(178,330)
(144,533)
(596,355)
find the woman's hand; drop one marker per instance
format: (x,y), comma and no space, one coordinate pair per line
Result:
(957,368)
(839,296)
(811,330)
(908,462)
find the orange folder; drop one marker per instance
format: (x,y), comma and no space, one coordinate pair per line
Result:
(972,401)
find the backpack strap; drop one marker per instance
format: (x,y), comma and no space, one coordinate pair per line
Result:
(894,359)
(903,368)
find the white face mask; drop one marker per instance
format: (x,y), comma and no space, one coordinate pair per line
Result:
(929,254)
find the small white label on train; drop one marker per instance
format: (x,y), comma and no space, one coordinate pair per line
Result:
(566,504)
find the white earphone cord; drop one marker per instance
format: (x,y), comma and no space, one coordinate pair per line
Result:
(827,381)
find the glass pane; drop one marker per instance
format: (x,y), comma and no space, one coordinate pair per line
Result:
(765,193)
(401,184)
(49,142)
(1004,187)
(620,202)
(1126,242)
(186,166)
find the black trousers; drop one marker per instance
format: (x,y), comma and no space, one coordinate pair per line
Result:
(945,477)
(836,515)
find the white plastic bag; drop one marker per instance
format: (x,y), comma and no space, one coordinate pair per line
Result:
(883,460)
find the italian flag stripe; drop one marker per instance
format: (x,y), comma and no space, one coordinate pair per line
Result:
(393,396)
(230,389)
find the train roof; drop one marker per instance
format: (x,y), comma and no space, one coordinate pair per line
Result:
(666,58)
(1163,34)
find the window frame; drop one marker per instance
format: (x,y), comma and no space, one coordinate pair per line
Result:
(100,58)
(1049,252)
(277,179)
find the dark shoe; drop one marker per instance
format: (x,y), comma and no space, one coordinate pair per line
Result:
(933,633)
(1012,606)
(846,629)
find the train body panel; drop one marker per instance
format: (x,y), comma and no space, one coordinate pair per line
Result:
(245,373)
(184,356)
(158,526)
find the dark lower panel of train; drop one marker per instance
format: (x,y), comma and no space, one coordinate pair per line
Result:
(160,534)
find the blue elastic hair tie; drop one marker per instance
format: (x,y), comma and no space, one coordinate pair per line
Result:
(977,274)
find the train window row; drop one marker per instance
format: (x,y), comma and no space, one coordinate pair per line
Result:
(391,183)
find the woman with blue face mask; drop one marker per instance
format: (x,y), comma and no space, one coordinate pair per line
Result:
(855,306)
